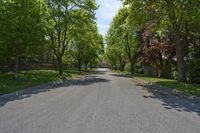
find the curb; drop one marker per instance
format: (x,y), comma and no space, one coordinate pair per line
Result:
(163,90)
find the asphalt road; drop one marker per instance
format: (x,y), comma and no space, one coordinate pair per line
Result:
(100,103)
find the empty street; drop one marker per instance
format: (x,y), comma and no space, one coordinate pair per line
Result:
(100,103)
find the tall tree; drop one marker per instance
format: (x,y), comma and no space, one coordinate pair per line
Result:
(162,14)
(21,26)
(86,40)
(121,33)
(63,17)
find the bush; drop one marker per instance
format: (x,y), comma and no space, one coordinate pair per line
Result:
(194,71)
(128,67)
(193,67)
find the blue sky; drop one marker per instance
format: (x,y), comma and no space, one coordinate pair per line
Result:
(105,13)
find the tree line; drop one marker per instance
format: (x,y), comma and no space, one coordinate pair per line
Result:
(162,34)
(61,32)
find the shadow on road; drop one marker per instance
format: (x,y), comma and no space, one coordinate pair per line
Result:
(122,75)
(100,72)
(87,80)
(172,102)
(169,101)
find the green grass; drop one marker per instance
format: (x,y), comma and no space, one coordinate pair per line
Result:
(9,84)
(193,89)
(122,72)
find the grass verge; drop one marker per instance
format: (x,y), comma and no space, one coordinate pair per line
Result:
(27,79)
(192,89)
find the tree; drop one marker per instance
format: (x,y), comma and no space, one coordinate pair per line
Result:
(94,49)
(158,51)
(162,14)
(21,27)
(63,17)
(126,37)
(86,42)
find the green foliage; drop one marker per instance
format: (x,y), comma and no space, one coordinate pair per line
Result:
(180,18)
(32,78)
(22,24)
(192,89)
(27,79)
(22,29)
(194,66)
(122,40)
(86,41)
(46,29)
(128,67)
(67,21)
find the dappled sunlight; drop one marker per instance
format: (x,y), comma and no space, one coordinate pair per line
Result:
(169,100)
(27,79)
(84,81)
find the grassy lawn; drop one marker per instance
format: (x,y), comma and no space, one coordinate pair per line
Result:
(9,84)
(193,89)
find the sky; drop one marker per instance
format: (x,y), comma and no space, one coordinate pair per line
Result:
(105,13)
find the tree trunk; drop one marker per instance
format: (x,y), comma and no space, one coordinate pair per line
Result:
(132,66)
(162,72)
(17,48)
(122,66)
(133,61)
(60,65)
(180,57)
(157,70)
(79,65)
(128,51)
(165,68)
(176,25)
(86,66)
(17,65)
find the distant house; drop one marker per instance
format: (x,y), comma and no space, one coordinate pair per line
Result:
(103,64)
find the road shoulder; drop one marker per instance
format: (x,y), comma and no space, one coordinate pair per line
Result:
(165,90)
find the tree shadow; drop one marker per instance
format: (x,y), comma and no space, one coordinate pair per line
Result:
(86,81)
(170,101)
(187,88)
(166,95)
(122,75)
(99,72)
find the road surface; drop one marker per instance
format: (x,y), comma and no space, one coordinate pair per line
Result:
(100,103)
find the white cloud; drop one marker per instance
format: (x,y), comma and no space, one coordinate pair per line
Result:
(108,8)
(106,12)
(103,28)
(103,25)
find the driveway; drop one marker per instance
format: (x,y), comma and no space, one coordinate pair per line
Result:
(99,103)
